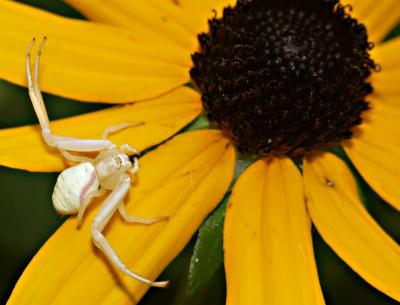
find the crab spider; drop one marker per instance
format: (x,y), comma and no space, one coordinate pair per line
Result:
(78,185)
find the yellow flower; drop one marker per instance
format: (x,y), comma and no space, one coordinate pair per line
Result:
(141,52)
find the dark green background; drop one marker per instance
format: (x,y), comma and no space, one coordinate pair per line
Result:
(27,217)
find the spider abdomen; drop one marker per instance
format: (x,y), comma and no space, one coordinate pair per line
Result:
(73,186)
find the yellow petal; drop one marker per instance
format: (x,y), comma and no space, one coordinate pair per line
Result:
(375,148)
(386,54)
(267,239)
(24,148)
(346,226)
(386,82)
(380,17)
(85,60)
(175,22)
(183,179)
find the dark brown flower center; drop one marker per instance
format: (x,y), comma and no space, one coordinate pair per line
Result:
(284,77)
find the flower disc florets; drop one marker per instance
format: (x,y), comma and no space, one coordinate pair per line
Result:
(284,77)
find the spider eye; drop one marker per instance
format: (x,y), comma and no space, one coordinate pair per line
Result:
(118,161)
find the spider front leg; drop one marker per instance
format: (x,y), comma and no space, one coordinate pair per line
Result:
(85,204)
(140,220)
(102,218)
(115,128)
(62,143)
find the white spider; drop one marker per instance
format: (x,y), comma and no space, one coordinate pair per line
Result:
(78,185)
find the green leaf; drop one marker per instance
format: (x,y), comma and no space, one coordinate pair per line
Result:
(242,163)
(208,254)
(394,33)
(201,122)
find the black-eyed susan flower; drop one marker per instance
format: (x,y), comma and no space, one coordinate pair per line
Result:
(282,79)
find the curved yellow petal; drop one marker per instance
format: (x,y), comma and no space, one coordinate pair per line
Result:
(346,226)
(375,147)
(267,239)
(386,54)
(24,148)
(85,60)
(175,22)
(386,82)
(380,17)
(183,179)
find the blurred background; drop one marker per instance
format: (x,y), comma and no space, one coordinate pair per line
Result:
(27,217)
